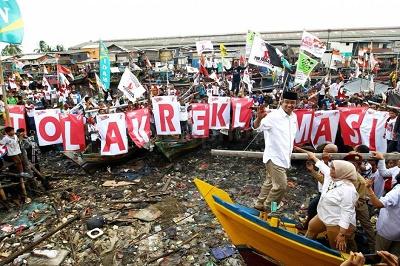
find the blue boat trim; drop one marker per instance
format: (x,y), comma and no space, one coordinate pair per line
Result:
(252,215)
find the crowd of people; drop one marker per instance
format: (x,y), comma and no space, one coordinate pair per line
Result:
(350,191)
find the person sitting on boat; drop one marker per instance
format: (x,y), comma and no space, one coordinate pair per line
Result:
(279,129)
(336,213)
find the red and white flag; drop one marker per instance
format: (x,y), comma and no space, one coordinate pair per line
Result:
(112,131)
(241,112)
(48,127)
(17,116)
(200,120)
(65,70)
(325,126)
(166,115)
(138,125)
(304,122)
(73,132)
(373,130)
(350,124)
(220,111)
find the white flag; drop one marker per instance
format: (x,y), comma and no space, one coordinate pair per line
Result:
(312,44)
(204,46)
(130,86)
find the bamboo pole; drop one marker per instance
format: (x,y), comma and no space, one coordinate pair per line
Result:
(295,156)
(37,242)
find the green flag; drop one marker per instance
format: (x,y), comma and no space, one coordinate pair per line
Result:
(305,65)
(11,24)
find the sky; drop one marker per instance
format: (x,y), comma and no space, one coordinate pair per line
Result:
(70,22)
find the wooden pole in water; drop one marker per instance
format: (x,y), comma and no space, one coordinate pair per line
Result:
(296,156)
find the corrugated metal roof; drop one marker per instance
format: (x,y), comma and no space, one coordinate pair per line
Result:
(31,56)
(287,37)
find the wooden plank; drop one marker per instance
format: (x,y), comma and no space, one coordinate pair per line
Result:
(295,156)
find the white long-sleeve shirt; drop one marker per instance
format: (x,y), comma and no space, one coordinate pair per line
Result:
(279,132)
(338,198)
(379,184)
(388,224)
(391,172)
(12,145)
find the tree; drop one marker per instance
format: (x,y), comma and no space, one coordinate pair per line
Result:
(11,49)
(59,48)
(43,47)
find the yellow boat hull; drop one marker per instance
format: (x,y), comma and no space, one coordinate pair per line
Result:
(278,245)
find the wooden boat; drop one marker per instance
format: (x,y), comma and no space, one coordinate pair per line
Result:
(260,242)
(89,161)
(172,148)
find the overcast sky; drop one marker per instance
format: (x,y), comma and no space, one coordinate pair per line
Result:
(70,22)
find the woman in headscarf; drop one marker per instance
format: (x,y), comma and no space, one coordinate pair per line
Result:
(336,208)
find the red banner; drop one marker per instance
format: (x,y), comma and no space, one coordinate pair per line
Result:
(17,116)
(304,122)
(138,125)
(73,132)
(350,123)
(241,112)
(200,120)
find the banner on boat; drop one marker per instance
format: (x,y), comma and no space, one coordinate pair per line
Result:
(166,115)
(48,128)
(73,132)
(138,125)
(357,125)
(17,117)
(200,114)
(112,132)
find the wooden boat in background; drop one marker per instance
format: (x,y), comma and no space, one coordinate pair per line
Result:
(89,161)
(260,242)
(172,148)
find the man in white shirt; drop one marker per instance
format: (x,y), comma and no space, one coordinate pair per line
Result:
(388,224)
(279,129)
(183,118)
(385,173)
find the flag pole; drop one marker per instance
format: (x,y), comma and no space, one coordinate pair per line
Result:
(330,60)
(6,114)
